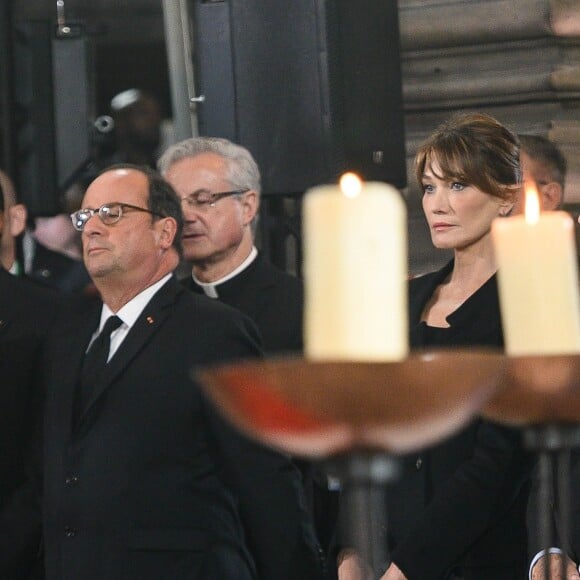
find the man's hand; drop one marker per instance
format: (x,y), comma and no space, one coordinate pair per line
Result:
(351,567)
(538,571)
(393,573)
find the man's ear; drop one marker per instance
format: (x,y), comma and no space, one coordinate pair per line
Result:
(551,196)
(168,231)
(17,216)
(250,205)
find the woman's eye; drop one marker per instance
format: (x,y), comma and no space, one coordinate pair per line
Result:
(428,188)
(457,186)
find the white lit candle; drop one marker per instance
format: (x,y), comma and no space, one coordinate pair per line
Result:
(355,272)
(538,280)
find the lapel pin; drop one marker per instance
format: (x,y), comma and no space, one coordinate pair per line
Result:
(150,320)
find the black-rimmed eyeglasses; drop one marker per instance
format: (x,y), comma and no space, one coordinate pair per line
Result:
(109,214)
(202,198)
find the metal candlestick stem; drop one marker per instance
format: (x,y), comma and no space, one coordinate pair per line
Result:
(541,394)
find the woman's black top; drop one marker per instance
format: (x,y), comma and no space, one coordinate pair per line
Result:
(459,508)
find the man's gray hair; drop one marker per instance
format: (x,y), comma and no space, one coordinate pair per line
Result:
(242,169)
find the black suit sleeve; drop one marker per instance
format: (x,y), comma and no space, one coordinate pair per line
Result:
(268,488)
(270,493)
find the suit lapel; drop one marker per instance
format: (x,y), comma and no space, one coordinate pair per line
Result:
(146,326)
(422,289)
(74,344)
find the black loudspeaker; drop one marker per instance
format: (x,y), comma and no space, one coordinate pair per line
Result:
(52,102)
(311,87)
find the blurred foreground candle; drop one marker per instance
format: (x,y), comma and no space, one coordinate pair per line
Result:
(355,272)
(538,280)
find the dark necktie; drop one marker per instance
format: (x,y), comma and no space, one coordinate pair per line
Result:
(96,359)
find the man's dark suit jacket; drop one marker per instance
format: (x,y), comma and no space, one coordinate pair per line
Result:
(271,298)
(274,301)
(150,483)
(27,312)
(459,507)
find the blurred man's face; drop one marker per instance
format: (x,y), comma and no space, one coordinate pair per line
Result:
(143,123)
(550,192)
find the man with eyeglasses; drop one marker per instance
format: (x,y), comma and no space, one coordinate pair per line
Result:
(219,185)
(142,478)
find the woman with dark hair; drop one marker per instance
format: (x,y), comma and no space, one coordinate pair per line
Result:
(458,510)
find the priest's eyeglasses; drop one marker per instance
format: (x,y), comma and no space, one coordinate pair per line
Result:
(201,199)
(109,214)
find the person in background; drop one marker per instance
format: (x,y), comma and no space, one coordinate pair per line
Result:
(52,247)
(218,183)
(544,164)
(142,477)
(27,313)
(49,252)
(458,510)
(138,120)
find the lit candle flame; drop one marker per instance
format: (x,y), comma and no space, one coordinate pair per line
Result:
(532,204)
(350,184)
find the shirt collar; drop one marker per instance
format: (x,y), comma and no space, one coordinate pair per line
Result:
(133,309)
(210,288)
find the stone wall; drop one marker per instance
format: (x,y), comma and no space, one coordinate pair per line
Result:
(518,60)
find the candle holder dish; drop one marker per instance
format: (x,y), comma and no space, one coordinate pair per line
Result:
(361,415)
(319,409)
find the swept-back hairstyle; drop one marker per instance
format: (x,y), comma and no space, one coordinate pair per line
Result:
(242,168)
(476,149)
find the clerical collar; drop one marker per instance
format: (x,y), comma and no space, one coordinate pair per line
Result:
(210,288)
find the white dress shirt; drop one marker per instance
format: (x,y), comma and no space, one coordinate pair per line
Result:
(128,315)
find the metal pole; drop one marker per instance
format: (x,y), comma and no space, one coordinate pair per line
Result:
(364,519)
(178,42)
(544,510)
(7,87)
(564,502)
